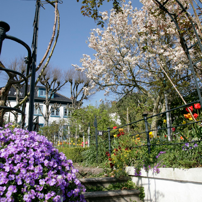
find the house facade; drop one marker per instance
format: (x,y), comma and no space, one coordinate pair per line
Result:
(61,112)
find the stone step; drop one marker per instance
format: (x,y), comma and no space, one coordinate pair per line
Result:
(113,196)
(102,181)
(109,196)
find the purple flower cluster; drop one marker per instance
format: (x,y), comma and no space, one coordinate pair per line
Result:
(157,166)
(187,146)
(31,169)
(137,172)
(161,152)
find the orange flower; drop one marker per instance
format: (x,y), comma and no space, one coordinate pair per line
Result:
(120,129)
(181,138)
(187,116)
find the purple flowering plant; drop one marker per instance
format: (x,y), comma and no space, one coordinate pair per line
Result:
(32,170)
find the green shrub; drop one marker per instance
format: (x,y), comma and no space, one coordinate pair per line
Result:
(73,153)
(93,155)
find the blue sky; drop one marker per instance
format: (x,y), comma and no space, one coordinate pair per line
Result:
(74,32)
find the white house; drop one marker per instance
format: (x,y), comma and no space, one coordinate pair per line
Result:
(39,97)
(116,118)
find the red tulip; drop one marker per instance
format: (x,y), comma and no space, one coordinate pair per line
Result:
(165,135)
(173,129)
(111,165)
(197,106)
(115,127)
(195,115)
(191,108)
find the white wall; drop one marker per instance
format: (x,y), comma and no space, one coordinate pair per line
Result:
(41,119)
(170,185)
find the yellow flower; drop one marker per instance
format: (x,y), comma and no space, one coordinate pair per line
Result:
(120,129)
(73,143)
(190,119)
(115,135)
(164,121)
(184,122)
(151,135)
(137,135)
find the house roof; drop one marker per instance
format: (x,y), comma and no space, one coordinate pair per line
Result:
(57,96)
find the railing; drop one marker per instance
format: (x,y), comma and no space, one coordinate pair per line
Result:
(159,130)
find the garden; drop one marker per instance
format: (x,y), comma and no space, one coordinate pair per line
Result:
(32,169)
(148,62)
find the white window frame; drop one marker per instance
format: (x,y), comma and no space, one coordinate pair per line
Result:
(55,112)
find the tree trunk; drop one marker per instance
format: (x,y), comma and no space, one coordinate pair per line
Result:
(47,115)
(17,102)
(3,98)
(2,112)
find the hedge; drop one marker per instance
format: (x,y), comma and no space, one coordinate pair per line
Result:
(73,153)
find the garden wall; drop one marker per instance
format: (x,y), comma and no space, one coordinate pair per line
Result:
(176,185)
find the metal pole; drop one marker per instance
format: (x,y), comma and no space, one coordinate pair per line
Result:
(109,138)
(147,132)
(95,125)
(167,117)
(88,134)
(34,55)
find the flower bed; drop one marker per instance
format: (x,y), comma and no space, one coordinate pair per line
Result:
(31,169)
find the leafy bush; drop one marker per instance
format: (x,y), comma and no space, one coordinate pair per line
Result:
(31,169)
(73,153)
(90,156)
(184,151)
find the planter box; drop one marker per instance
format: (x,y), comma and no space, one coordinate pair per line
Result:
(176,185)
